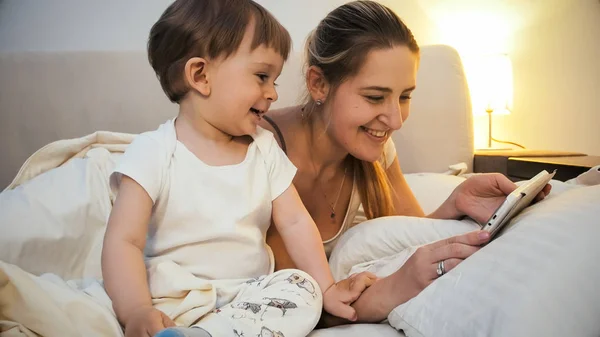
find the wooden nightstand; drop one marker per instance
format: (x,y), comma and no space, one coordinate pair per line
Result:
(524,164)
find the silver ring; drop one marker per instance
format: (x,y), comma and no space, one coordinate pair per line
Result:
(441,269)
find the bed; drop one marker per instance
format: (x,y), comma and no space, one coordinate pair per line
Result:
(67,116)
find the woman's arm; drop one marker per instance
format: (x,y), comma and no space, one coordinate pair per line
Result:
(477,197)
(405,202)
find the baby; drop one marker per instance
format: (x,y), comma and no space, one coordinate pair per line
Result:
(185,242)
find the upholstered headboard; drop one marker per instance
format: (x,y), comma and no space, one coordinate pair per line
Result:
(47,96)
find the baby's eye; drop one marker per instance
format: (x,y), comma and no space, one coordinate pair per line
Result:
(262,77)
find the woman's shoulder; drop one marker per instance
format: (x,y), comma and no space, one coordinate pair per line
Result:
(283,117)
(280,122)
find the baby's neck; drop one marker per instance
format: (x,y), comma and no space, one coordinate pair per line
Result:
(192,126)
(211,147)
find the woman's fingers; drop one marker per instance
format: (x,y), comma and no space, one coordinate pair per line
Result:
(449,264)
(475,238)
(543,193)
(453,251)
(504,184)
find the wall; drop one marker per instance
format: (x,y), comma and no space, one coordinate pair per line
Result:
(77,25)
(552,43)
(124,25)
(554,47)
(557,81)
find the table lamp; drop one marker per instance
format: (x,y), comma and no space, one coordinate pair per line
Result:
(492,89)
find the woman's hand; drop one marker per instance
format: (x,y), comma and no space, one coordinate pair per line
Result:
(479,196)
(422,267)
(355,284)
(338,297)
(419,271)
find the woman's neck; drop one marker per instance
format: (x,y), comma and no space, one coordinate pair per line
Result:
(326,154)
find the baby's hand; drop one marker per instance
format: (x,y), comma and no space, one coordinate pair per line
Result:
(147,322)
(338,297)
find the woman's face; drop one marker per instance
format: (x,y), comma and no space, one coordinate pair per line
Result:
(368,107)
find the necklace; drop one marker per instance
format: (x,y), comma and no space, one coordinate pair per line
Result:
(331,206)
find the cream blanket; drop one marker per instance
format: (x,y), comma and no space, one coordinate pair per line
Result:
(53,217)
(52,225)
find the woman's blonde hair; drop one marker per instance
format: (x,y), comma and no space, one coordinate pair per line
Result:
(339,46)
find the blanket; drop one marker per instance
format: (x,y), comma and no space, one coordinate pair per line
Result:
(52,220)
(61,152)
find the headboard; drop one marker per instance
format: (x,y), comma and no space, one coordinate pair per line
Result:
(47,96)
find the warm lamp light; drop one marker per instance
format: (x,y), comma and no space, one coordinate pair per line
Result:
(491,87)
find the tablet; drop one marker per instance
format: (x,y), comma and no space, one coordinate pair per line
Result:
(515,202)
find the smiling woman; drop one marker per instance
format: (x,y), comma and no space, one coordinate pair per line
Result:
(361,70)
(359,89)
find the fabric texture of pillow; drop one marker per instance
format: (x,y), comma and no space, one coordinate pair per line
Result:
(539,278)
(432,189)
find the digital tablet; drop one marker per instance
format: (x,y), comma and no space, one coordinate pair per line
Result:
(515,202)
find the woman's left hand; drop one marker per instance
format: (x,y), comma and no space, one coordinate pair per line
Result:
(480,195)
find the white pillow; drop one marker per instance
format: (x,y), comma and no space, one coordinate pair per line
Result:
(432,189)
(540,278)
(55,222)
(377,245)
(385,237)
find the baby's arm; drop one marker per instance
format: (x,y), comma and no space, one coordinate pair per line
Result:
(123,267)
(304,245)
(301,237)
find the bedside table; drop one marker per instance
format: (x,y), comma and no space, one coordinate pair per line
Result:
(524,164)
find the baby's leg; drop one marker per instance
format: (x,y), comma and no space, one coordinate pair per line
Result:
(287,303)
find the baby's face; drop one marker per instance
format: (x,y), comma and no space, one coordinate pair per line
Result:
(243,86)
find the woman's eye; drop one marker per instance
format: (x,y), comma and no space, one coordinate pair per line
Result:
(375,98)
(405,98)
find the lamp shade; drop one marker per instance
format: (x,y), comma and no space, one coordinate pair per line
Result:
(490,83)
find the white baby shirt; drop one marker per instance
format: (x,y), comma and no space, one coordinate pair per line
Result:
(209,220)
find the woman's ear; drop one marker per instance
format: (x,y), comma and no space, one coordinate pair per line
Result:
(196,75)
(317,85)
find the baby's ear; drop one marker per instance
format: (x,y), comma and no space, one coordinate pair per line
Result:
(196,76)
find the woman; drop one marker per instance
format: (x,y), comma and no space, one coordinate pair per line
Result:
(361,71)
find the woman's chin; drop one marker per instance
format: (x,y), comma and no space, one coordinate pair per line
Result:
(368,156)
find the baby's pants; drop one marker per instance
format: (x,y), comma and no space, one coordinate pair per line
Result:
(286,303)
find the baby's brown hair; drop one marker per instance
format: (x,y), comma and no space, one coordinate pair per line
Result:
(209,29)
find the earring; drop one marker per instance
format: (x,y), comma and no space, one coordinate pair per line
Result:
(319,102)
